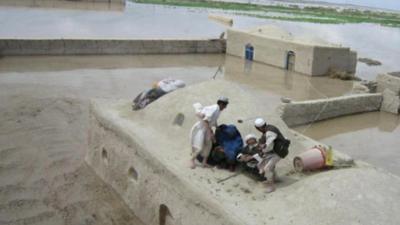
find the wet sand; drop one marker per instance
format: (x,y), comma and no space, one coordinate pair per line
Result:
(43,136)
(371,137)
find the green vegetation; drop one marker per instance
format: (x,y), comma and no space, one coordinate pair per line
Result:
(291,13)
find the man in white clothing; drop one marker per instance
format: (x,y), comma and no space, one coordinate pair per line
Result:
(201,135)
(270,158)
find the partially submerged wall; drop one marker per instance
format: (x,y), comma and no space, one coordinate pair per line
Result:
(270,51)
(309,58)
(304,112)
(221,19)
(389,85)
(17,47)
(337,59)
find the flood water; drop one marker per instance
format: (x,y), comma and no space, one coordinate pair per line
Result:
(371,137)
(134,21)
(363,4)
(383,4)
(369,40)
(27,81)
(153,21)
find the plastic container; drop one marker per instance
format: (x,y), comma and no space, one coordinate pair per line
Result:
(311,159)
(329,157)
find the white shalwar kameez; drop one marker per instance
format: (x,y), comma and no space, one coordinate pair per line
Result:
(200,139)
(271,158)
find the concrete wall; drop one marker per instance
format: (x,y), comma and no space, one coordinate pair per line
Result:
(309,59)
(14,47)
(352,62)
(270,51)
(304,112)
(155,194)
(338,59)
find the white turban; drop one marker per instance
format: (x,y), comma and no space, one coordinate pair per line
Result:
(250,136)
(259,122)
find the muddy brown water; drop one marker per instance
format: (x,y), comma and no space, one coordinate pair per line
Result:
(372,137)
(44,100)
(89,20)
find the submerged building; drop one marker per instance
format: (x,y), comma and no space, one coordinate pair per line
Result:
(276,47)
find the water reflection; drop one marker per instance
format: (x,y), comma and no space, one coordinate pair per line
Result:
(137,21)
(281,82)
(154,21)
(107,62)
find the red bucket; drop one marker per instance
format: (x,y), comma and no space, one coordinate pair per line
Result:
(311,159)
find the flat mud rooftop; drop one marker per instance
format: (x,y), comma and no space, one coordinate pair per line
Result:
(144,157)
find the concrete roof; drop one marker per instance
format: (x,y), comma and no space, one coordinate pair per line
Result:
(270,31)
(359,195)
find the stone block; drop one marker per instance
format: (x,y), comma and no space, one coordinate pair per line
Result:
(359,88)
(391,102)
(386,81)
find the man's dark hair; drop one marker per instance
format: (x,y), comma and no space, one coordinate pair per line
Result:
(222,102)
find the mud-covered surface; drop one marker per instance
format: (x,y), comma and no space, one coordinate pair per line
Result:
(43,136)
(43,179)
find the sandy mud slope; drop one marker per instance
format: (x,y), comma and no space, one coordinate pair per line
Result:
(43,179)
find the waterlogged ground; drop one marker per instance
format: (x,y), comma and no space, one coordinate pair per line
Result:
(372,137)
(386,4)
(292,12)
(44,110)
(155,21)
(354,4)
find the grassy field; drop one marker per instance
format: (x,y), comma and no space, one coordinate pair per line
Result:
(291,13)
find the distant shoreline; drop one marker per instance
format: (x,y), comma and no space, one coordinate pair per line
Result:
(308,3)
(290,12)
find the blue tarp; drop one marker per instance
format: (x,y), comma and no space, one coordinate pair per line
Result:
(230,139)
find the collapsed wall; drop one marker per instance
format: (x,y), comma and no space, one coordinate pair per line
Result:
(389,86)
(144,156)
(18,47)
